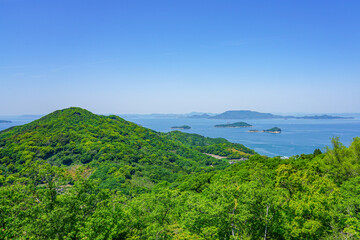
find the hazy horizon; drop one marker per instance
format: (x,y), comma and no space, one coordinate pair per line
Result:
(182,113)
(141,57)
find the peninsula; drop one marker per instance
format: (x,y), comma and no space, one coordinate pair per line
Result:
(233,125)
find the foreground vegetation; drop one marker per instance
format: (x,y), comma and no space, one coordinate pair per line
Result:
(313,196)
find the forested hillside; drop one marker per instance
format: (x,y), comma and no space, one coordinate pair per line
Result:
(217,146)
(169,190)
(120,153)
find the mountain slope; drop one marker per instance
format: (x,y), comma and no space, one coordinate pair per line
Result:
(120,151)
(217,146)
(314,196)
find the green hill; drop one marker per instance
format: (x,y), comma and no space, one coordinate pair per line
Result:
(217,146)
(313,196)
(120,152)
(141,184)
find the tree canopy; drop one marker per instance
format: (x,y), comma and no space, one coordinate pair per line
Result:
(314,196)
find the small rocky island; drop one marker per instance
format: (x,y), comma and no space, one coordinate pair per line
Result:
(271,130)
(233,125)
(183,127)
(5,121)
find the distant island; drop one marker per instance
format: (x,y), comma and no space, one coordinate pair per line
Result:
(246,114)
(5,121)
(234,125)
(233,114)
(271,130)
(323,117)
(184,127)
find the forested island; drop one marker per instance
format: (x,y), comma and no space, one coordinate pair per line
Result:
(5,121)
(76,175)
(233,125)
(273,130)
(183,127)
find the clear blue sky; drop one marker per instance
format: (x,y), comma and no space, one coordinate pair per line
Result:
(179,56)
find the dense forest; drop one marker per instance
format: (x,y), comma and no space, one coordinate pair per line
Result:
(76,175)
(123,155)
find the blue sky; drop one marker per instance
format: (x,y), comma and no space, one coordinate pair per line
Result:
(179,56)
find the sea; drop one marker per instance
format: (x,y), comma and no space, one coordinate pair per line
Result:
(298,136)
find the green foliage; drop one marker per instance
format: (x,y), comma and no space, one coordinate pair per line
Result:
(269,198)
(317,152)
(274,129)
(164,195)
(75,136)
(217,146)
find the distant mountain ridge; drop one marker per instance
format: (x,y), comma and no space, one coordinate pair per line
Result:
(247,114)
(232,114)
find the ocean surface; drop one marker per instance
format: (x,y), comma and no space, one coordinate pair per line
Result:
(15,121)
(298,135)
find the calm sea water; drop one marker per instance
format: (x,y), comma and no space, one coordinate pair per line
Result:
(298,136)
(15,121)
